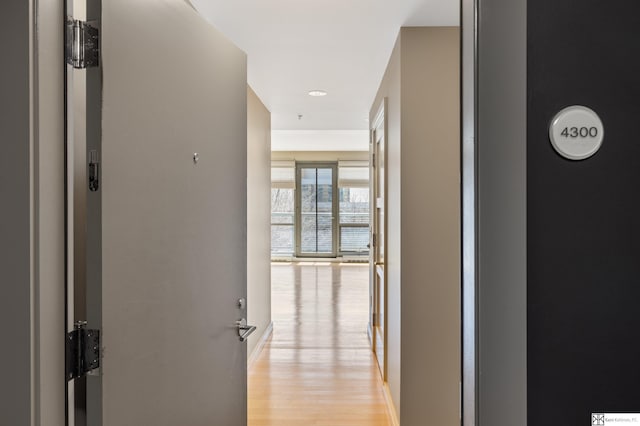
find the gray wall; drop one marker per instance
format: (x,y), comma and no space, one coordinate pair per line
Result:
(258,218)
(501,213)
(16,156)
(50,219)
(32,225)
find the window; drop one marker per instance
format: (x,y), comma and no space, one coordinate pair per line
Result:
(282,213)
(353,183)
(318,210)
(318,234)
(282,208)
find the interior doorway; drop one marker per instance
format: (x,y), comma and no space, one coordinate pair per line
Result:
(377,270)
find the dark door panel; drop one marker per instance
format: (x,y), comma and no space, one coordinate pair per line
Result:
(583,216)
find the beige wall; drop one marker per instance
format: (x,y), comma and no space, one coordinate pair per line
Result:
(320,140)
(320,155)
(423,263)
(258,217)
(431,220)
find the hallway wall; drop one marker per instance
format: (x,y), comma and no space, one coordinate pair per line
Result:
(423,252)
(51,214)
(258,218)
(17,208)
(32,226)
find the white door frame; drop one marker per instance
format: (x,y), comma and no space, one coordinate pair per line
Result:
(379,124)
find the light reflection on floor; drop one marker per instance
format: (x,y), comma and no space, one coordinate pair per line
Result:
(318,368)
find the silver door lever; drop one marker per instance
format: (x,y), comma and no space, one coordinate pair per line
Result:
(244,330)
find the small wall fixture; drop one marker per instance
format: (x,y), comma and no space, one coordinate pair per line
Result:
(317,93)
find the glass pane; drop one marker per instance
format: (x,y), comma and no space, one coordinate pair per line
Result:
(282,217)
(308,190)
(282,206)
(325,233)
(282,239)
(316,210)
(354,239)
(308,233)
(325,193)
(354,205)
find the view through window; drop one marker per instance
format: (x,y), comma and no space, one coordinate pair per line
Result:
(317,188)
(354,220)
(316,210)
(282,221)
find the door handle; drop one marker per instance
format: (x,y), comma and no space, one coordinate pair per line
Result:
(244,330)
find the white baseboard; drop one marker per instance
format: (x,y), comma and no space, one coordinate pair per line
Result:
(260,345)
(391,408)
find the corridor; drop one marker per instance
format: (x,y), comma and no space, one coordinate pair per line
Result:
(317,369)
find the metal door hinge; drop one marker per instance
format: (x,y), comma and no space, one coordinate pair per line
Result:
(82,44)
(374,240)
(373,160)
(83,351)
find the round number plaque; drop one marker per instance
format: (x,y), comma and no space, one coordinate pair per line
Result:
(576,132)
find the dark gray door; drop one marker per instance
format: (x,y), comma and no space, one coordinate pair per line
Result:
(166,228)
(583,227)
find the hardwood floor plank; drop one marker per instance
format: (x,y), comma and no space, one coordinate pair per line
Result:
(317,369)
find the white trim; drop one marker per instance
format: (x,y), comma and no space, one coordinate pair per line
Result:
(391,408)
(257,350)
(283,164)
(353,163)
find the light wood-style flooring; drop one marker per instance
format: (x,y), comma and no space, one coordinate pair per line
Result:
(318,368)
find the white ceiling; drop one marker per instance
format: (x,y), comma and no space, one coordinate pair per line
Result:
(341,46)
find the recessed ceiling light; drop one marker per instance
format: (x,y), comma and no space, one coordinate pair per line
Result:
(317,93)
